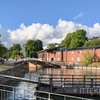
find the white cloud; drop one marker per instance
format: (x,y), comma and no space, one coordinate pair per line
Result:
(0,26)
(34,31)
(48,33)
(79,15)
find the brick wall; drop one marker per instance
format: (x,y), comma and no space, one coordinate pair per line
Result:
(71,56)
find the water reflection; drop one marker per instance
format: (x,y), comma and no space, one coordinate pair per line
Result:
(29,87)
(74,71)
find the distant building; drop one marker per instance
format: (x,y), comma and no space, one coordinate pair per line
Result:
(70,56)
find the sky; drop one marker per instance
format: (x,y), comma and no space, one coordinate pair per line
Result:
(47,20)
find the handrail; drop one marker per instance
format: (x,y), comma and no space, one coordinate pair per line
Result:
(48,93)
(81,98)
(68,75)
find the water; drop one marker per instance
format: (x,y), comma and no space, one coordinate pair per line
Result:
(25,90)
(29,87)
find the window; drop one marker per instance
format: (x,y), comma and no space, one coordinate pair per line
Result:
(72,58)
(72,52)
(78,59)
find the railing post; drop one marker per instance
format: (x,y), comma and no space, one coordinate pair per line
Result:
(92,83)
(64,97)
(1,94)
(13,93)
(51,84)
(63,85)
(61,80)
(49,97)
(84,80)
(38,81)
(72,80)
(4,93)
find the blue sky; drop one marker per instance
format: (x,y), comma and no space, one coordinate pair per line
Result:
(21,14)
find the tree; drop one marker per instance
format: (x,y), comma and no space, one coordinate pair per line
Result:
(67,41)
(15,50)
(75,39)
(39,45)
(3,50)
(88,59)
(32,46)
(51,46)
(93,42)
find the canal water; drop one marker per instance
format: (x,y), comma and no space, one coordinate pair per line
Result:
(24,87)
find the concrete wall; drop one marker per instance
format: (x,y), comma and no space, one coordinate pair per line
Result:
(33,66)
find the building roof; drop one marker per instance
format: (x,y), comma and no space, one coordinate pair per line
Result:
(82,48)
(62,48)
(59,48)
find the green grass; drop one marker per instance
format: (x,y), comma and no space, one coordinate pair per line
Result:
(4,67)
(95,64)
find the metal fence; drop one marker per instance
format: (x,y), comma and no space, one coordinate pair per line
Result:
(13,93)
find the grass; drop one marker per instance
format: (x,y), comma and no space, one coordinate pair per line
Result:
(95,64)
(4,67)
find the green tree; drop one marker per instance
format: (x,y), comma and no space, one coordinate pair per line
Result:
(88,59)
(93,42)
(3,50)
(51,46)
(38,45)
(32,46)
(75,39)
(15,50)
(67,41)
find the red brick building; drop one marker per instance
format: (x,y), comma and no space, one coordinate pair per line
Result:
(70,56)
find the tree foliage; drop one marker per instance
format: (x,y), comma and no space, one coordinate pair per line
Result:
(32,46)
(75,39)
(88,59)
(3,50)
(94,42)
(51,45)
(15,50)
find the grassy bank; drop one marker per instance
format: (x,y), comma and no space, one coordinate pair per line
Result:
(95,64)
(4,67)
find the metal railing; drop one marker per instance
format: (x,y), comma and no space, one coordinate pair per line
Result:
(9,93)
(71,80)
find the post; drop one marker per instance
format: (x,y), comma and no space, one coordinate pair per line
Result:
(84,80)
(13,93)
(64,97)
(49,97)
(91,82)
(38,81)
(72,80)
(51,84)
(61,78)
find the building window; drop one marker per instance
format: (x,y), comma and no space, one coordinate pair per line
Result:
(58,59)
(72,58)
(72,52)
(58,52)
(78,59)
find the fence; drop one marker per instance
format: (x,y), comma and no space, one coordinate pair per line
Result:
(13,93)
